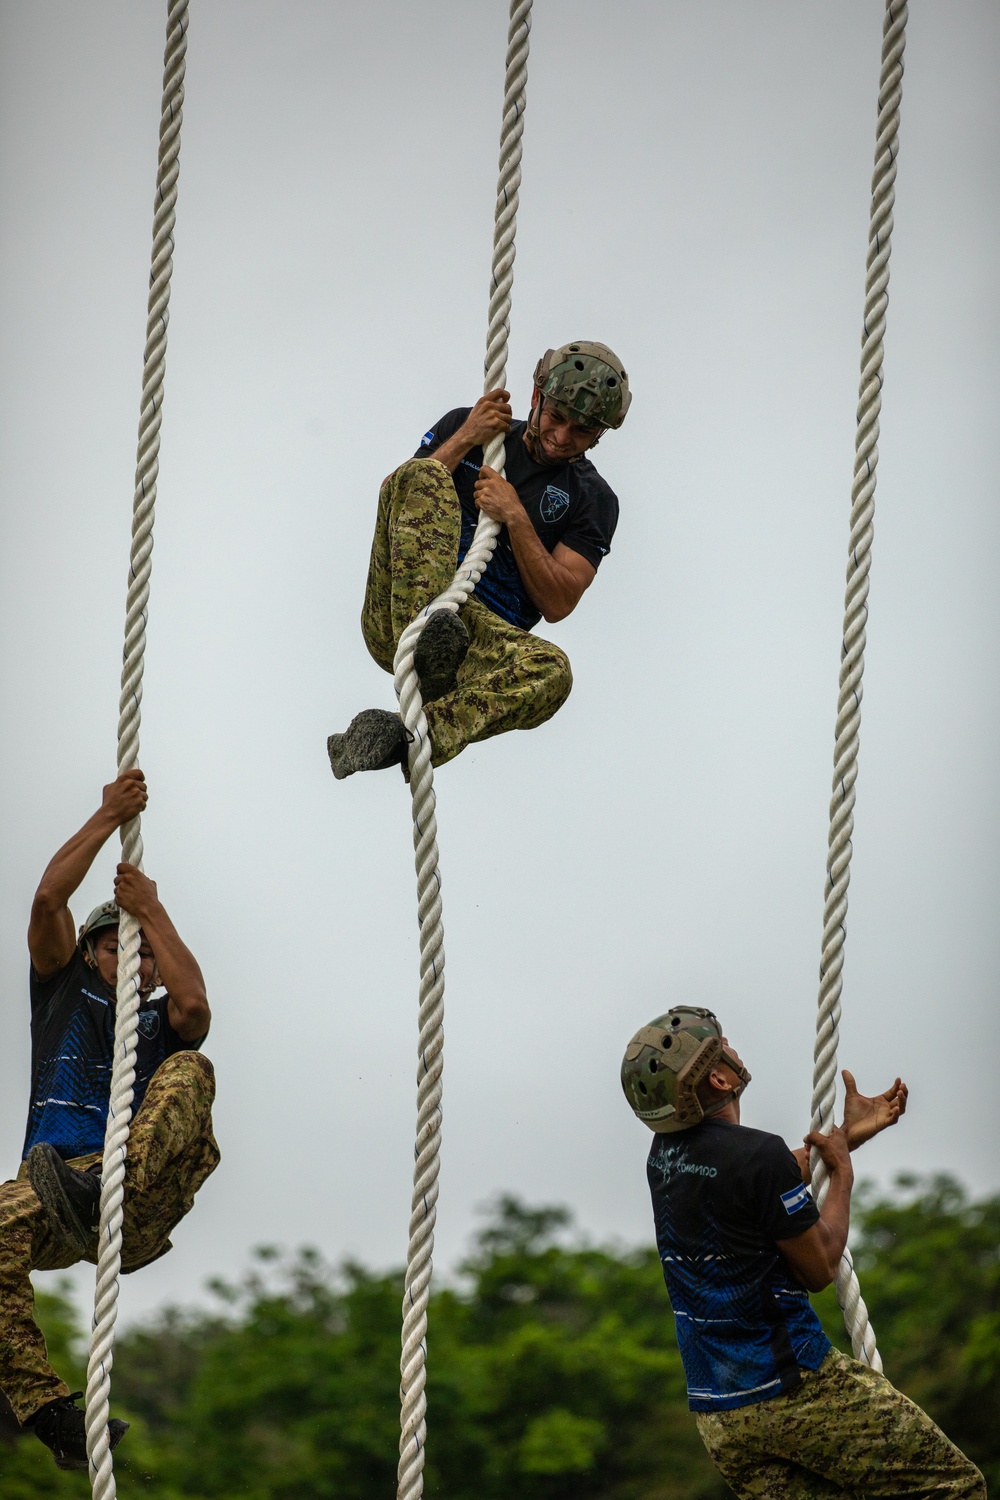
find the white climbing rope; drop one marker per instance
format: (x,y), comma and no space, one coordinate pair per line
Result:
(413,1360)
(126,1018)
(845,758)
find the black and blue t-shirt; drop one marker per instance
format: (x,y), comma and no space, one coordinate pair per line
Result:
(722,1195)
(72,1051)
(568,503)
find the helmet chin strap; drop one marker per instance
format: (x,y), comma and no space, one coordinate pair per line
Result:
(531,436)
(740,1072)
(737,1093)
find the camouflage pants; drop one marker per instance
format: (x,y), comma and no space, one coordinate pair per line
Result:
(510,679)
(171,1151)
(845,1431)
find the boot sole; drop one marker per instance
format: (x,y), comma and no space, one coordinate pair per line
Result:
(374,740)
(438,654)
(44,1178)
(116,1431)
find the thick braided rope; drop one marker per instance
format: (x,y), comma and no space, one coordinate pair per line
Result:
(126,1018)
(413,1376)
(845,758)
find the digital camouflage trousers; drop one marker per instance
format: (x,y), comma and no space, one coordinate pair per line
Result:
(844,1432)
(510,679)
(171,1151)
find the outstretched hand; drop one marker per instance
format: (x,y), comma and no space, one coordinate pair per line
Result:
(864,1117)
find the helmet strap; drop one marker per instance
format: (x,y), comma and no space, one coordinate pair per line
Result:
(531,430)
(735,1093)
(740,1072)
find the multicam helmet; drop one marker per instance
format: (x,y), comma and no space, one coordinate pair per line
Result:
(665,1062)
(587,381)
(105,915)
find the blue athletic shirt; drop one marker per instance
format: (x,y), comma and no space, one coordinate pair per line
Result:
(722,1194)
(72,1050)
(567,503)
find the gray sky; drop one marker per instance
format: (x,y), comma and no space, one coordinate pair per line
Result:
(696,194)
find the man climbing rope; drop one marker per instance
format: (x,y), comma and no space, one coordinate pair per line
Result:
(481,670)
(781,1412)
(49,1216)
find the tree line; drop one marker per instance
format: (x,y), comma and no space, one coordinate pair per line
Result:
(553,1370)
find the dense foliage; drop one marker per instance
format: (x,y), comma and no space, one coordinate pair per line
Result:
(554,1372)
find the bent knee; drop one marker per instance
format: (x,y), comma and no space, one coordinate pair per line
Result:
(380,649)
(553,665)
(976,1484)
(188,1068)
(420,469)
(563,675)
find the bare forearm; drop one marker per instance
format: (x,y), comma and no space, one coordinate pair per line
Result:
(490,416)
(179,971)
(51,938)
(835,1216)
(453,450)
(67,869)
(552,588)
(855,1139)
(51,935)
(815,1255)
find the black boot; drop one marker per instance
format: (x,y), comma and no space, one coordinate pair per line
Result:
(61,1426)
(373,740)
(71,1199)
(438,654)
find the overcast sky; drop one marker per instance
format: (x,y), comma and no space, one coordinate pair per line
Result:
(696,194)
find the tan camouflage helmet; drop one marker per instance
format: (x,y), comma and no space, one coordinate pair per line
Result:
(665,1062)
(587,381)
(107,914)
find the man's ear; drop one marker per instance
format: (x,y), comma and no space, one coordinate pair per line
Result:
(535,395)
(720,1082)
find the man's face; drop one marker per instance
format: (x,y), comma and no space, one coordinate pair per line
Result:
(559,437)
(106,954)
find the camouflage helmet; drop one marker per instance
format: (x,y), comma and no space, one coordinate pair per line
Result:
(107,914)
(665,1062)
(587,380)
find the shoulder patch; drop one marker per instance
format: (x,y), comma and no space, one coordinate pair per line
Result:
(554,504)
(795,1198)
(427,439)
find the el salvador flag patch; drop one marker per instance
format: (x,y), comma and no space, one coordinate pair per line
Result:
(427,439)
(795,1198)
